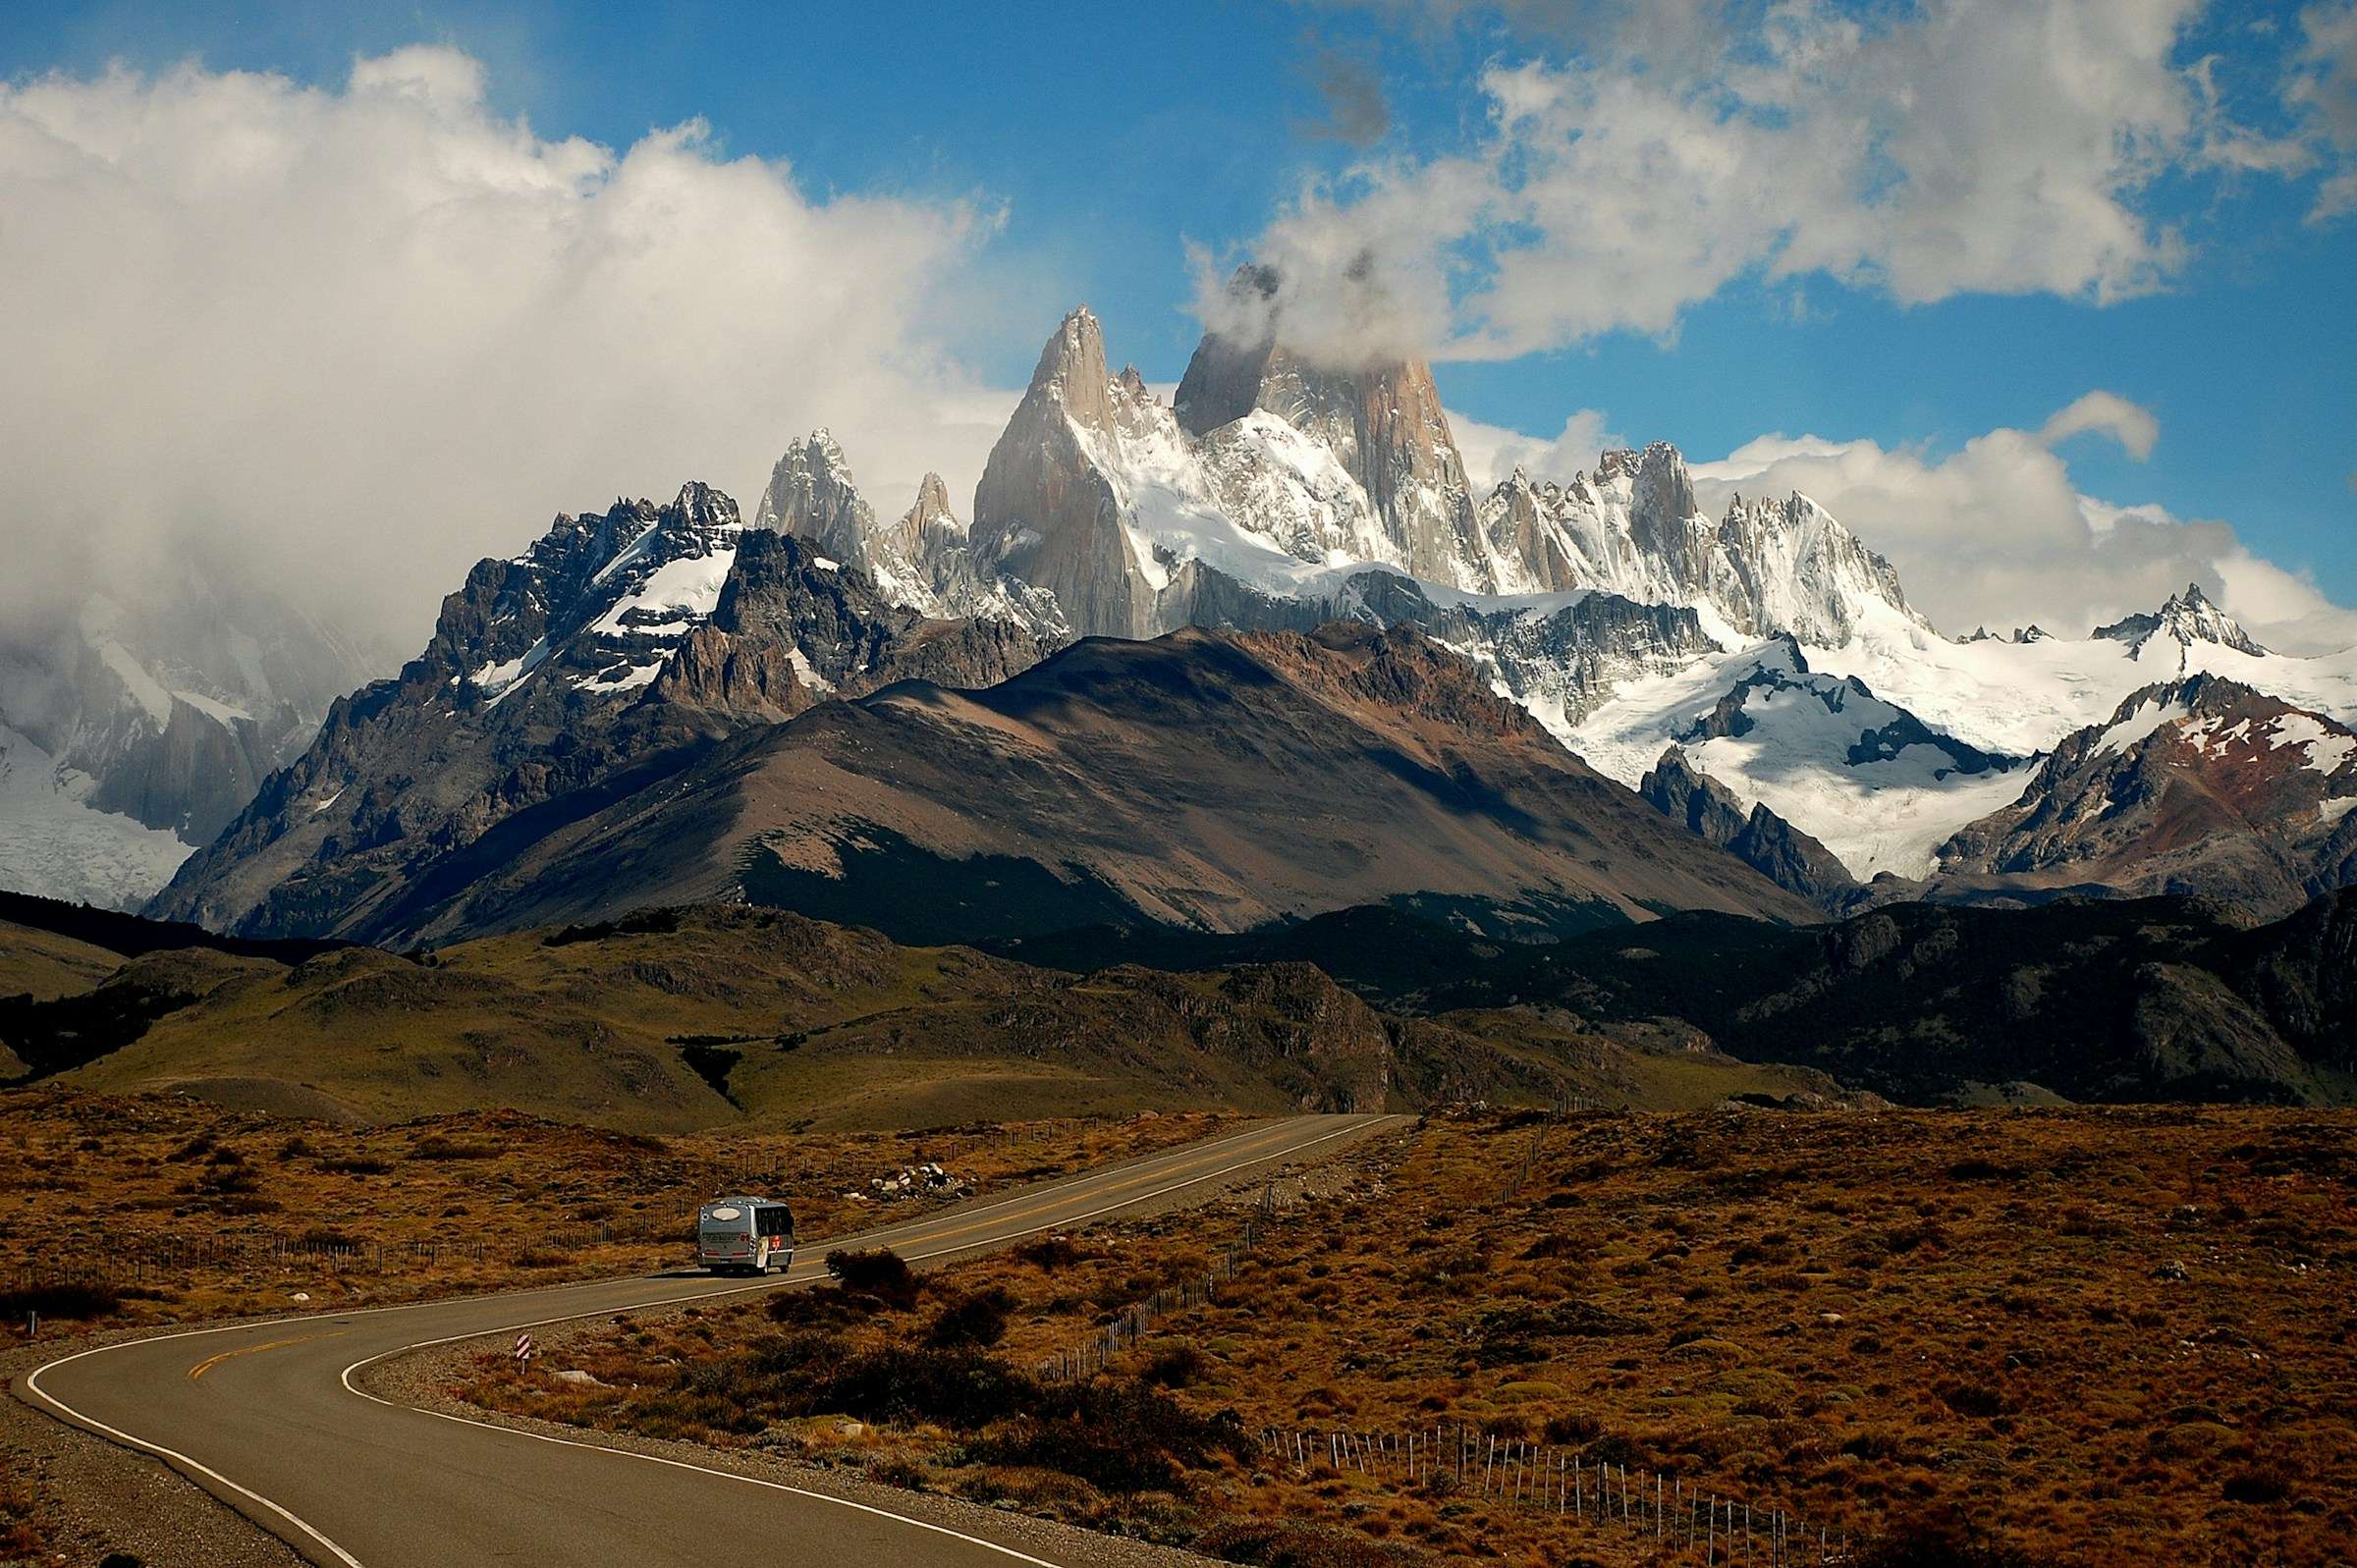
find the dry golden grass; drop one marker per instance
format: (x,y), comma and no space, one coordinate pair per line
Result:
(2098,1338)
(145,1194)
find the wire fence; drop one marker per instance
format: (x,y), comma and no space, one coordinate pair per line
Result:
(1098,1351)
(1464,1461)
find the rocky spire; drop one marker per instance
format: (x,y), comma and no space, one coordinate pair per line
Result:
(811,495)
(2184,619)
(1045,511)
(1383,421)
(1071,371)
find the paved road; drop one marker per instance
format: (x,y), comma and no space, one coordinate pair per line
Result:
(266,1416)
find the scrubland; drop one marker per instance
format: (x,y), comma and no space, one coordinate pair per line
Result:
(1992,1338)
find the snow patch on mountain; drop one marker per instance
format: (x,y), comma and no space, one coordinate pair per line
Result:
(53,843)
(2143,721)
(1862,776)
(2327,752)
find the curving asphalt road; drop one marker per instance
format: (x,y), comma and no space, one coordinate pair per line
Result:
(268,1416)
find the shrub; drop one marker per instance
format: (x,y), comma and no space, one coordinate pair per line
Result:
(1292,1543)
(1573,1429)
(963,1389)
(81,1301)
(880,1274)
(1118,1438)
(897,1471)
(1175,1364)
(821,1307)
(2260,1482)
(976,1319)
(1939,1541)
(1050,1254)
(1976,1399)
(437,1147)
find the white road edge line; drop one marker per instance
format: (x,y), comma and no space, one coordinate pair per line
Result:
(32,1380)
(32,1383)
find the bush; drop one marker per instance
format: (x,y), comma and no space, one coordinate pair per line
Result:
(81,1301)
(1050,1254)
(1939,1541)
(1177,1365)
(1118,1438)
(963,1389)
(976,1319)
(820,1307)
(2256,1484)
(1288,1543)
(879,1274)
(438,1146)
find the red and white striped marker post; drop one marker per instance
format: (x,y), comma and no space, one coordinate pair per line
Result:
(524,1349)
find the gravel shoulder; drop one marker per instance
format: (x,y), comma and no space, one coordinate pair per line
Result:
(97,1497)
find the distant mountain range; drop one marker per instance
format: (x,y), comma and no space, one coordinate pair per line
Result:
(1125,689)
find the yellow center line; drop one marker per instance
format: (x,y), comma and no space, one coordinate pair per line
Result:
(920,1233)
(210,1362)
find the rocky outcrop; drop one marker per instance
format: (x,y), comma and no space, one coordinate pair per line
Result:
(2200,786)
(1046,511)
(1759,837)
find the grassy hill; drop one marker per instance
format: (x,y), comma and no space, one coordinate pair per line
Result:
(44,966)
(672,1020)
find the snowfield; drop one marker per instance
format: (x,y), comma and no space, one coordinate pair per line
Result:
(54,844)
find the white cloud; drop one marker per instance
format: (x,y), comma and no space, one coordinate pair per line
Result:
(354,339)
(1958,147)
(1491,453)
(2131,424)
(2321,86)
(1997,533)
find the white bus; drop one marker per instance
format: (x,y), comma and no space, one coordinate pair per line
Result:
(745,1236)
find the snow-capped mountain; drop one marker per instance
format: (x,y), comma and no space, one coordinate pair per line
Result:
(1269,477)
(1759,674)
(2198,785)
(618,650)
(1868,779)
(2188,619)
(131,734)
(1770,643)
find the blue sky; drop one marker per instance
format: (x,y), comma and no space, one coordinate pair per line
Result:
(1109,146)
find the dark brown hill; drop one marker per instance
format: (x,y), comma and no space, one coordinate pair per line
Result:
(1213,780)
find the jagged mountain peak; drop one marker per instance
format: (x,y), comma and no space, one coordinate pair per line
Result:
(931,508)
(1071,369)
(700,507)
(2185,618)
(812,496)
